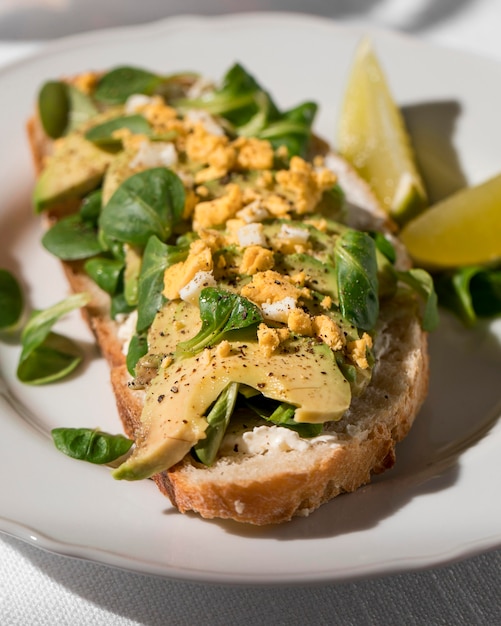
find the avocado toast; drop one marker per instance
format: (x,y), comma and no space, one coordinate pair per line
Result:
(260,321)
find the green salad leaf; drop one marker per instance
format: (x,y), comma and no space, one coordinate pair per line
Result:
(221,312)
(138,347)
(106,273)
(120,83)
(102,134)
(281,414)
(148,203)
(470,292)
(356,270)
(90,445)
(63,108)
(422,283)
(157,257)
(251,110)
(72,238)
(47,356)
(11,300)
(218,419)
(54,108)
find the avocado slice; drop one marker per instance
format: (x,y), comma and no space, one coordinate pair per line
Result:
(76,168)
(118,171)
(319,276)
(301,372)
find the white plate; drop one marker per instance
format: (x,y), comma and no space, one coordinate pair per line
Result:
(440,502)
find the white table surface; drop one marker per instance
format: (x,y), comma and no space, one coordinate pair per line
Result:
(37,587)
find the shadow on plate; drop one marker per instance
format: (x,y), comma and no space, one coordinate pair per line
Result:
(431,126)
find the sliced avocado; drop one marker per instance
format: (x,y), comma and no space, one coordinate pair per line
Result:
(118,171)
(133,261)
(175,322)
(301,372)
(76,168)
(319,276)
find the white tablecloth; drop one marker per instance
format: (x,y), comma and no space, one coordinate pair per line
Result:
(37,587)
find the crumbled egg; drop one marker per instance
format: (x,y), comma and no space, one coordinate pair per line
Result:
(280,310)
(136,102)
(256,259)
(271,286)
(218,211)
(357,350)
(180,274)
(293,234)
(305,183)
(329,332)
(155,154)
(300,322)
(253,153)
(201,86)
(251,235)
(199,116)
(253,212)
(191,292)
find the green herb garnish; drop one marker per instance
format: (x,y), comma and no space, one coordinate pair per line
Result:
(221,312)
(47,356)
(90,445)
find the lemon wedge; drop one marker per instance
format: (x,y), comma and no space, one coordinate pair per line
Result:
(464,229)
(372,136)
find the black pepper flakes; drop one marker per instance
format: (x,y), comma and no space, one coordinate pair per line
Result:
(174,389)
(160,397)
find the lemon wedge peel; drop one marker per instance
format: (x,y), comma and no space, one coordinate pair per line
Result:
(372,136)
(459,231)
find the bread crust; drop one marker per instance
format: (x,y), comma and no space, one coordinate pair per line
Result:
(274,487)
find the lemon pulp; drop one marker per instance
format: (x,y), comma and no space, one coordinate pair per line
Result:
(372,136)
(464,229)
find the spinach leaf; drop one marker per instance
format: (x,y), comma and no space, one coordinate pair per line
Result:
(120,83)
(251,110)
(148,203)
(470,292)
(56,357)
(237,99)
(120,305)
(90,445)
(384,246)
(72,238)
(218,419)
(54,108)
(292,129)
(356,272)
(157,258)
(486,292)
(91,207)
(63,108)
(221,312)
(106,273)
(281,414)
(11,300)
(138,347)
(102,134)
(47,356)
(453,290)
(82,108)
(422,283)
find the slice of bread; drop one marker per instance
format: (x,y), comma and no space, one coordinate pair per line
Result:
(287,478)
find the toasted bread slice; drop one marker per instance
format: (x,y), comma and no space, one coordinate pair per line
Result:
(290,479)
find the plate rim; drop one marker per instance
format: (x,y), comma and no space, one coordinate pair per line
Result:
(30,535)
